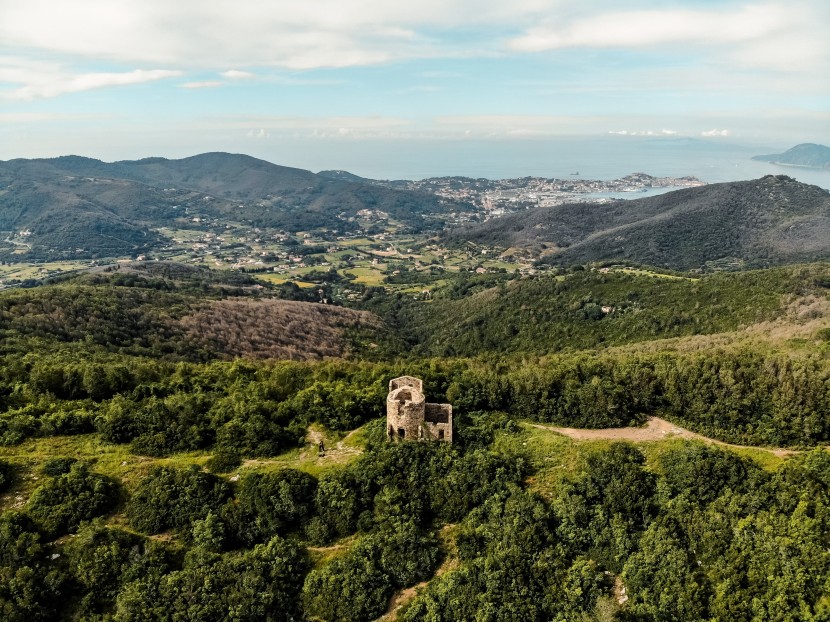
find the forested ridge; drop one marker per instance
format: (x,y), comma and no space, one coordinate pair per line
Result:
(586,309)
(768,221)
(150,472)
(180,315)
(179,320)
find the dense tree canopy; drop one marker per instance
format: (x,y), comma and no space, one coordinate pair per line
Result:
(136,485)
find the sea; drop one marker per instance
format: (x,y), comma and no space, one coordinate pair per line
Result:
(710,160)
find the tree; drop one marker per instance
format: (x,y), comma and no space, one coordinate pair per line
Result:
(60,505)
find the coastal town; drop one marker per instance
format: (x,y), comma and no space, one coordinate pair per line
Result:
(502,196)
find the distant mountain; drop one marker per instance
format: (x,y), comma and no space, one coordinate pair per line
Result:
(79,218)
(772,220)
(73,206)
(806,154)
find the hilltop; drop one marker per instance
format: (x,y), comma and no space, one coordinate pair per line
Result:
(805,154)
(772,220)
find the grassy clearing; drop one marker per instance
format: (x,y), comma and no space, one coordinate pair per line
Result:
(322,555)
(764,458)
(275,279)
(185,235)
(366,276)
(279,279)
(659,275)
(307,458)
(39,270)
(357,242)
(112,460)
(118,462)
(555,457)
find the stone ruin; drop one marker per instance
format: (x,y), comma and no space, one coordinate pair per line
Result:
(409,417)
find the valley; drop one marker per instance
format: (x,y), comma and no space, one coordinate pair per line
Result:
(367,246)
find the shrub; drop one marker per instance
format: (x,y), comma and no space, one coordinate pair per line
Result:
(352,588)
(274,503)
(58,466)
(224,461)
(170,498)
(59,506)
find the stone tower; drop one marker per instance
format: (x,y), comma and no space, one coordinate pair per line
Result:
(409,417)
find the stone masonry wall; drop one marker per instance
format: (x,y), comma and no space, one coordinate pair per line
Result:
(409,417)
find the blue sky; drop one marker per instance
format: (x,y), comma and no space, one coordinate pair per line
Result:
(132,78)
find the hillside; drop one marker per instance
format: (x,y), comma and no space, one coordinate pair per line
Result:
(178,312)
(164,319)
(75,207)
(143,477)
(593,309)
(772,220)
(805,154)
(276,329)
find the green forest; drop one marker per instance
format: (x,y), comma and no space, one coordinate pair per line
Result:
(200,447)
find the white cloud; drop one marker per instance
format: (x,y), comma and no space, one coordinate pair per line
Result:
(495,126)
(235,74)
(319,124)
(204,84)
(216,42)
(51,82)
(774,34)
(307,127)
(656,27)
(282,33)
(715,133)
(231,74)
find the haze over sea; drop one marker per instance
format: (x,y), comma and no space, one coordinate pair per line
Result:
(593,158)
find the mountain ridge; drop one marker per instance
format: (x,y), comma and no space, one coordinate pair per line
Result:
(143,194)
(771,220)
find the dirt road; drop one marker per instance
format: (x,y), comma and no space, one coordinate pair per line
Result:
(656,429)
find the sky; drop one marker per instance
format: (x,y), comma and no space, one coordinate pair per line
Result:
(285,80)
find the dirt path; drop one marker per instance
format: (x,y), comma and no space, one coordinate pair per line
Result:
(339,452)
(327,549)
(656,429)
(403,596)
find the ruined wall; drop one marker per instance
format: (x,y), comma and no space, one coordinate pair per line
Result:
(438,421)
(406,381)
(409,417)
(405,410)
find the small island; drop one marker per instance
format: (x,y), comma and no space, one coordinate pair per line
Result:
(808,155)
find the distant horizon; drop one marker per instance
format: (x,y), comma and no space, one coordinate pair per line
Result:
(605,157)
